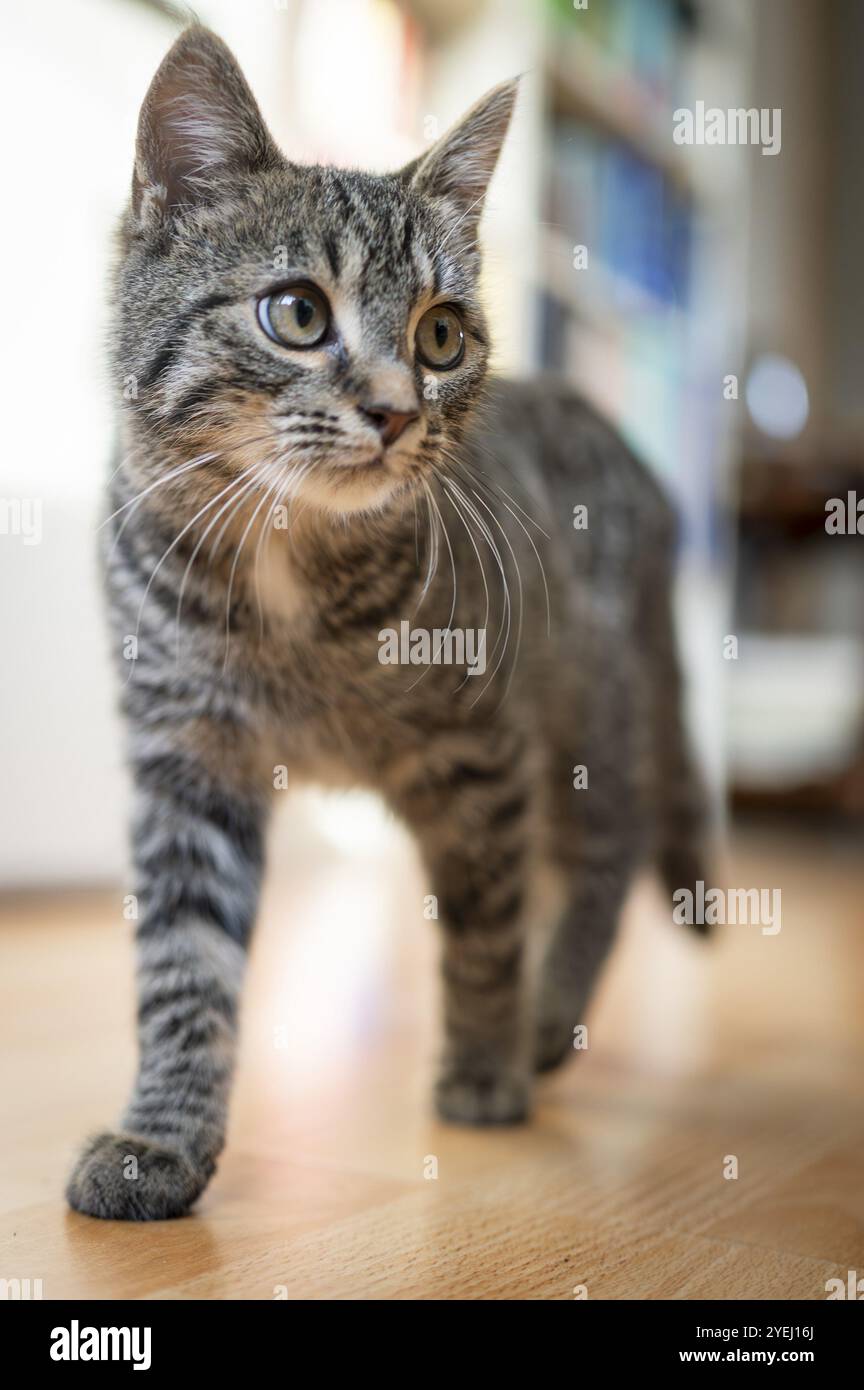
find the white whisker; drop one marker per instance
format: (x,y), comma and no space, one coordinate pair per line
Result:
(232,573)
(432,562)
(133,502)
(453,603)
(198,544)
(176,541)
(505,623)
(471,473)
(518,581)
(454,504)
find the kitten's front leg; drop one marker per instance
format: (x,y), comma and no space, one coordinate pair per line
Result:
(198,849)
(469,812)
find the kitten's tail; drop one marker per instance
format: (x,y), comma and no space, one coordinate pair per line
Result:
(683,819)
(682,867)
(684,849)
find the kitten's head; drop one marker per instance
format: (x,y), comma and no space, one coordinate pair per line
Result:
(317,327)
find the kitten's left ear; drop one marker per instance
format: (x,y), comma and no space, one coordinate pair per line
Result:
(459,166)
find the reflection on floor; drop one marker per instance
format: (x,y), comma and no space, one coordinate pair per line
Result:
(751,1048)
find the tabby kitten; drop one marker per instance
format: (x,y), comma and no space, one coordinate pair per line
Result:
(311,457)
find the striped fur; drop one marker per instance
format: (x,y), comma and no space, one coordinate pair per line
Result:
(260,541)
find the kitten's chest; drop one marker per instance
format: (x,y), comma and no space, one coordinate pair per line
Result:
(338,596)
(281,597)
(343,712)
(353,672)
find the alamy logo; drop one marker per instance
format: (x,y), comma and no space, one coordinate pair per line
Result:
(436,646)
(738,126)
(76,1343)
(852,1289)
(719,907)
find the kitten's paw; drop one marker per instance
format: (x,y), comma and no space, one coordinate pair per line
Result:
(491,1098)
(123,1177)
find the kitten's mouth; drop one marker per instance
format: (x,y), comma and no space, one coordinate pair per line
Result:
(345,472)
(384,462)
(349,481)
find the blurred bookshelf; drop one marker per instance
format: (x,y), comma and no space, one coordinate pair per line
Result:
(612,68)
(649,325)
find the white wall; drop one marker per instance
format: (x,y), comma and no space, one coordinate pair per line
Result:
(72,77)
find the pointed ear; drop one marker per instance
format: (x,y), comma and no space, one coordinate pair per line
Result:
(459,166)
(199,124)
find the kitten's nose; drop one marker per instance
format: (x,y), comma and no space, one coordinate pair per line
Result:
(389,423)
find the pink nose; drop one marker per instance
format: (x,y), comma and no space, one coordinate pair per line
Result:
(389,423)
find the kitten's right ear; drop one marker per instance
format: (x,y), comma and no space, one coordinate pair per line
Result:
(199,124)
(457,169)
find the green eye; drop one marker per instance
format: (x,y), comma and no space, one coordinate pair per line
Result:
(298,316)
(440,338)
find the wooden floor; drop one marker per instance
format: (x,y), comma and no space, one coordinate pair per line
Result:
(751,1048)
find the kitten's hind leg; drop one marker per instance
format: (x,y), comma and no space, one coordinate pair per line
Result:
(468,804)
(579,946)
(594,836)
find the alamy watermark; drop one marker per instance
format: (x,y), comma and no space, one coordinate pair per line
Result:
(728,906)
(21,516)
(438,646)
(844,516)
(712,125)
(18,1290)
(852,1288)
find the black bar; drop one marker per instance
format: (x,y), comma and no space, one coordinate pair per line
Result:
(621,1335)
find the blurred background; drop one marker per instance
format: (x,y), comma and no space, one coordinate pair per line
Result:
(709,298)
